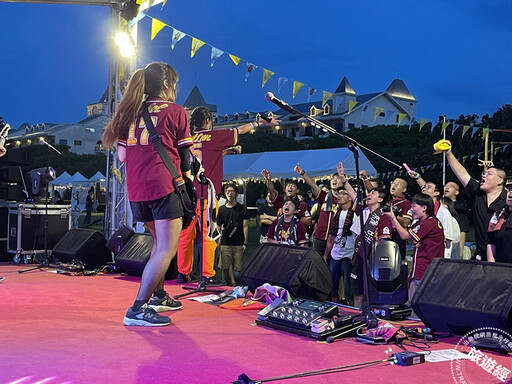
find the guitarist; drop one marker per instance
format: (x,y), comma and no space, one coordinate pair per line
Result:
(152,196)
(209,147)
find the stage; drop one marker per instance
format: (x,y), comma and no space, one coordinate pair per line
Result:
(57,328)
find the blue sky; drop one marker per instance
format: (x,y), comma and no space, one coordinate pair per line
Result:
(454,56)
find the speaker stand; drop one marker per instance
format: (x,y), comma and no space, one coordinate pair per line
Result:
(202,286)
(46,261)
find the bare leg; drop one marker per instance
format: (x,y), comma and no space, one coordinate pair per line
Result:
(151,227)
(166,235)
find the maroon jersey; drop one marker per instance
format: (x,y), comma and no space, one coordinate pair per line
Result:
(208,147)
(147,177)
(281,231)
(403,205)
(303,210)
(328,206)
(428,238)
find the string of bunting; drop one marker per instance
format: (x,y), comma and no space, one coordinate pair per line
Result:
(216,53)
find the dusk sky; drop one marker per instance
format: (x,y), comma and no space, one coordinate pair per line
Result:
(454,56)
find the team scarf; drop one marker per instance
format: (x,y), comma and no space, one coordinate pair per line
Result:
(369,230)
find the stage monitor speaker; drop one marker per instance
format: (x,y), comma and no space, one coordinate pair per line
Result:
(387,280)
(119,239)
(134,256)
(85,245)
(300,270)
(458,296)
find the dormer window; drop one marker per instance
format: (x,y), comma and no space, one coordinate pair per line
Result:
(226,118)
(327,109)
(247,115)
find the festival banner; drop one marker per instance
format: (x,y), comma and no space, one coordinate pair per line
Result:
(423,121)
(156,26)
(378,110)
(176,36)
(325,97)
(235,59)
(196,44)
(351,105)
(400,118)
(216,53)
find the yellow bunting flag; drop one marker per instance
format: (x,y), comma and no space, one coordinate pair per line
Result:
(196,44)
(351,105)
(326,96)
(235,59)
(485,132)
(156,26)
(297,85)
(378,110)
(443,126)
(465,128)
(400,118)
(266,75)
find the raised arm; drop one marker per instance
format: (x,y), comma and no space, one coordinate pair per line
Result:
(308,180)
(350,191)
(402,232)
(253,125)
(270,184)
(417,176)
(457,167)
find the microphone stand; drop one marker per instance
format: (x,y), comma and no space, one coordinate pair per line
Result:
(370,318)
(201,285)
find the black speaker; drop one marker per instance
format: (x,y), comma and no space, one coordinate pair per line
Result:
(300,270)
(85,245)
(458,296)
(119,239)
(387,282)
(134,256)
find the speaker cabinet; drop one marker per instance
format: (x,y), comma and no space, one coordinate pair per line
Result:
(134,256)
(458,296)
(300,270)
(119,239)
(85,245)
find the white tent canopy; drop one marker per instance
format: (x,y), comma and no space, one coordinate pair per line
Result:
(63,179)
(97,177)
(316,162)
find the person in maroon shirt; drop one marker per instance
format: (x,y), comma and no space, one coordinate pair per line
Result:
(427,235)
(210,145)
(149,183)
(401,207)
(287,229)
(328,203)
(291,191)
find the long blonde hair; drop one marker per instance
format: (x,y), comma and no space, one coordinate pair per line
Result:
(148,81)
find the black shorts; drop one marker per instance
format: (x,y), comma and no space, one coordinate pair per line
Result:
(167,207)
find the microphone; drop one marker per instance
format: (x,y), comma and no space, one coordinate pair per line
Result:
(43,142)
(269,96)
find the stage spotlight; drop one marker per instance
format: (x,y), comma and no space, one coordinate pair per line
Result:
(125,44)
(129,10)
(39,177)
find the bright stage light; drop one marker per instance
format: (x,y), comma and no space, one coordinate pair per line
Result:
(126,47)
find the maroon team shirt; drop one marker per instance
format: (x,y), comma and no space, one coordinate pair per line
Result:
(428,238)
(325,217)
(403,205)
(147,177)
(284,234)
(208,147)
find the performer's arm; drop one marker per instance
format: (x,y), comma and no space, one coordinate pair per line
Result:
(121,153)
(255,124)
(184,153)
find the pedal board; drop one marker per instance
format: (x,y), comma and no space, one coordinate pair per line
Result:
(308,318)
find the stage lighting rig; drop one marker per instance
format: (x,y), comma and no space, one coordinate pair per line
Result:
(129,9)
